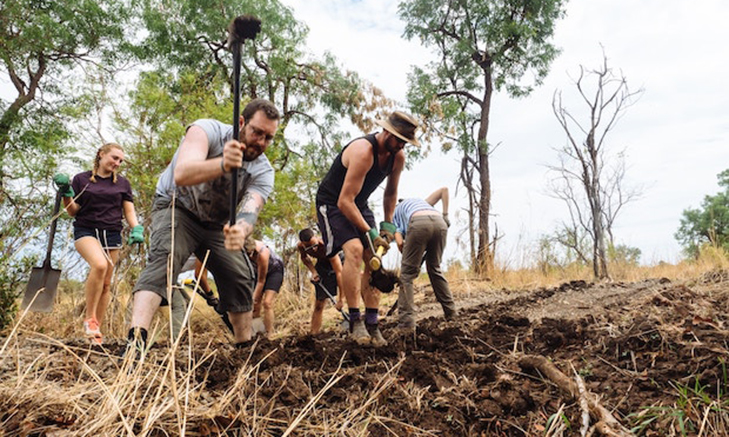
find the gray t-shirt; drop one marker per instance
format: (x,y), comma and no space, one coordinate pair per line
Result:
(210,201)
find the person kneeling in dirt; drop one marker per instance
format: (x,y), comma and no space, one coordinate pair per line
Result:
(192,209)
(422,231)
(326,275)
(270,273)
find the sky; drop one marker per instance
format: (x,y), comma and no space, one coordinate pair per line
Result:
(676,136)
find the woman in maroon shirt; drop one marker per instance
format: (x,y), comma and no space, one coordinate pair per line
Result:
(98,199)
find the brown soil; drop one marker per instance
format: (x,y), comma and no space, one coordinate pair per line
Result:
(634,345)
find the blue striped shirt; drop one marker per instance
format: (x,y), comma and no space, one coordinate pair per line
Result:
(405,210)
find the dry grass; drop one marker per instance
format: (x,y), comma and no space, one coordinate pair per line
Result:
(464,282)
(100,394)
(293,308)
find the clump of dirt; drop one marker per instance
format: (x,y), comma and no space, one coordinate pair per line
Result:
(637,347)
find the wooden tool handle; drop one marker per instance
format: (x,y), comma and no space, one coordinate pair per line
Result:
(376,261)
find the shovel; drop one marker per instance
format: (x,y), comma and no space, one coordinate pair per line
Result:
(43,284)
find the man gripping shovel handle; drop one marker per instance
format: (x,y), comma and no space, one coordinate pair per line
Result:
(380,278)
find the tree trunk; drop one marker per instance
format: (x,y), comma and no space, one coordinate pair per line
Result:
(484,258)
(592,184)
(467,178)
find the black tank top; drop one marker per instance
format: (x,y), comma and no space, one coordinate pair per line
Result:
(331,185)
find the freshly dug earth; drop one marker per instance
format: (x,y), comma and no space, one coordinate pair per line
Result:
(651,353)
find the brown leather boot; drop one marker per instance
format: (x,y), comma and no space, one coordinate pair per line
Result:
(359,333)
(377,340)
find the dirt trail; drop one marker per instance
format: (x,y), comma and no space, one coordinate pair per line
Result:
(635,345)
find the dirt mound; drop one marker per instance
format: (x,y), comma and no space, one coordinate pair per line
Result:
(651,354)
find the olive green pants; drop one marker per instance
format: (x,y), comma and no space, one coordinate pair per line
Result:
(426,236)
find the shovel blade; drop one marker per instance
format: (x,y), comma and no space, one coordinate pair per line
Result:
(257,326)
(344,325)
(44,282)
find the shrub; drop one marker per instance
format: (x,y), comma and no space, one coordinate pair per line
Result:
(13,274)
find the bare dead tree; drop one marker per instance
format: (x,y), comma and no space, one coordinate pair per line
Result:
(590,180)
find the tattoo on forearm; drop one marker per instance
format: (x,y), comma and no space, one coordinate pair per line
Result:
(249,212)
(247,217)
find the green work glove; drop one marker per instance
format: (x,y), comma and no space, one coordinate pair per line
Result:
(137,235)
(387,231)
(377,241)
(64,184)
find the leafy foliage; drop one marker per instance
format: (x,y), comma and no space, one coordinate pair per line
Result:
(482,46)
(625,254)
(186,43)
(191,37)
(708,224)
(41,41)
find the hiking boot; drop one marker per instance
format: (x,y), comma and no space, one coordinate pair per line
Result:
(359,333)
(376,338)
(92,331)
(450,315)
(136,347)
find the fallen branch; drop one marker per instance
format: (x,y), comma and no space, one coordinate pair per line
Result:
(608,425)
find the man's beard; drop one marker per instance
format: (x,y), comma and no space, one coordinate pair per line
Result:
(251,155)
(391,149)
(248,158)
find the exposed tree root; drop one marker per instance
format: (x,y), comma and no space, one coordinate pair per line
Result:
(606,422)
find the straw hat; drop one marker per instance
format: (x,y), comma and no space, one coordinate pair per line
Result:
(402,126)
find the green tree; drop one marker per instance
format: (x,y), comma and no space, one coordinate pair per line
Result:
(41,42)
(708,224)
(482,47)
(624,254)
(186,44)
(190,36)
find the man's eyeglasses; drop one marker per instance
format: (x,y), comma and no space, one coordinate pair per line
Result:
(260,133)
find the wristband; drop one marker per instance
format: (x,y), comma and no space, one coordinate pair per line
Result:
(222,165)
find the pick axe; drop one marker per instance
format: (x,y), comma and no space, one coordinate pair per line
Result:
(376,260)
(241,28)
